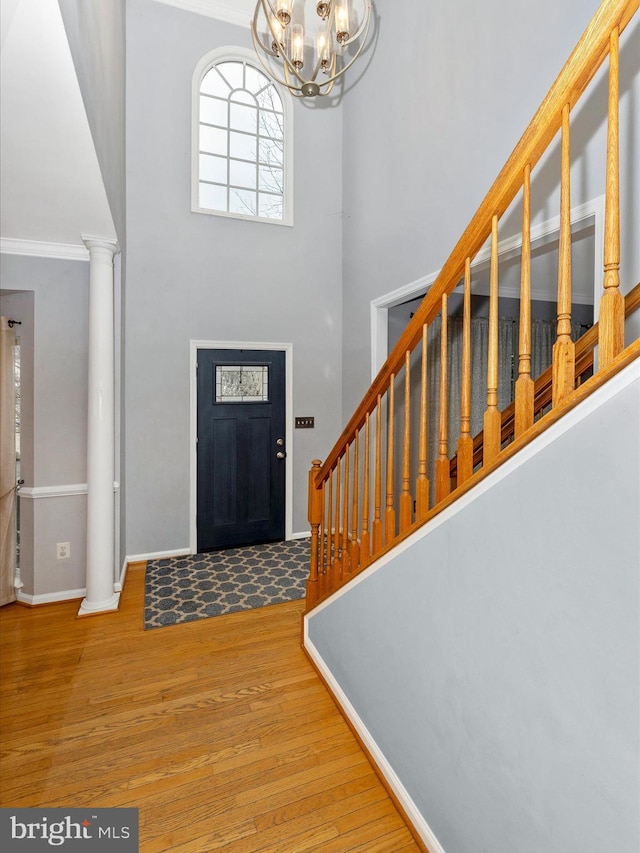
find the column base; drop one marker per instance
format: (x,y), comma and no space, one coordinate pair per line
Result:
(95,608)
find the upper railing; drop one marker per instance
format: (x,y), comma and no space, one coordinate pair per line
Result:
(388,472)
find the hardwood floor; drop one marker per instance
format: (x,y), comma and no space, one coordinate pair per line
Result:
(219,731)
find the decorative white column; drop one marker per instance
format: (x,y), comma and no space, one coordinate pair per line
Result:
(100,596)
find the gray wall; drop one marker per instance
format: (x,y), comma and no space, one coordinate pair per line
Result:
(422,148)
(495,661)
(200,277)
(50,298)
(96,35)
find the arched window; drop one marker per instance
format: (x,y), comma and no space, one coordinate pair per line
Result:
(241,156)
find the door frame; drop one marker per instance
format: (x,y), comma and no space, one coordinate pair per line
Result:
(287,349)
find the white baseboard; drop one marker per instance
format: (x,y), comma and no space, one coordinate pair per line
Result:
(411,810)
(50,597)
(157,555)
(305,534)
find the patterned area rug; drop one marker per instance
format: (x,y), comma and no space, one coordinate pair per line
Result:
(182,589)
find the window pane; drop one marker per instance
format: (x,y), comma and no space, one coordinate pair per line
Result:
(254,80)
(213,84)
(212,197)
(232,73)
(243,97)
(243,201)
(242,174)
(270,179)
(271,152)
(213,169)
(271,206)
(271,124)
(243,118)
(242,384)
(269,99)
(213,111)
(243,146)
(213,140)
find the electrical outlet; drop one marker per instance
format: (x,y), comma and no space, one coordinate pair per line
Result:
(63,550)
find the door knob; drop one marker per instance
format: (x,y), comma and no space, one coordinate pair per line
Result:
(280,454)
(279,441)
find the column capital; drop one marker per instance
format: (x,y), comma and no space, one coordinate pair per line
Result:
(103,243)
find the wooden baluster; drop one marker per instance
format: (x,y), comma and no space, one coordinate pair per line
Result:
(389,511)
(611,313)
(377,493)
(321,562)
(524,390)
(422,482)
(330,531)
(443,479)
(345,516)
(365,543)
(491,439)
(314,515)
(564,358)
(406,500)
(354,549)
(337,562)
(465,442)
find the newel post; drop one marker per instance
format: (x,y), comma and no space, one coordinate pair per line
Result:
(315,519)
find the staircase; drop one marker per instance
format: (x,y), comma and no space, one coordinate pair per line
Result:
(493,684)
(373,490)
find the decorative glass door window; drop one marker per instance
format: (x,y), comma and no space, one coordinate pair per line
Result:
(242,383)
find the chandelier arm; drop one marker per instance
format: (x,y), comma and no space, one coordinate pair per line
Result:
(254,31)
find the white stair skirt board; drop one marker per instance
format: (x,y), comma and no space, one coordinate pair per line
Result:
(417,820)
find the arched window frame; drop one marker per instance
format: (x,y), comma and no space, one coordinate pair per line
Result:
(239,54)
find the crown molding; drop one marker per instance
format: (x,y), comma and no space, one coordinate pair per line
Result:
(40,249)
(239,12)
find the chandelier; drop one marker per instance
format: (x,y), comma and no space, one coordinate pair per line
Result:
(306,49)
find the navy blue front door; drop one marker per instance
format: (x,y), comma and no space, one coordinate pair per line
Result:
(241,447)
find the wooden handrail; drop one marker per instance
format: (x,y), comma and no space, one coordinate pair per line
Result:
(572,81)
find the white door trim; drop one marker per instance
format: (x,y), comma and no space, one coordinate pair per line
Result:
(540,234)
(194,346)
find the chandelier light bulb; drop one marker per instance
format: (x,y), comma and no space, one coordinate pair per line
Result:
(342,22)
(297,46)
(278,36)
(284,11)
(324,49)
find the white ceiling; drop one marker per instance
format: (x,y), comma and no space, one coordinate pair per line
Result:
(51,190)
